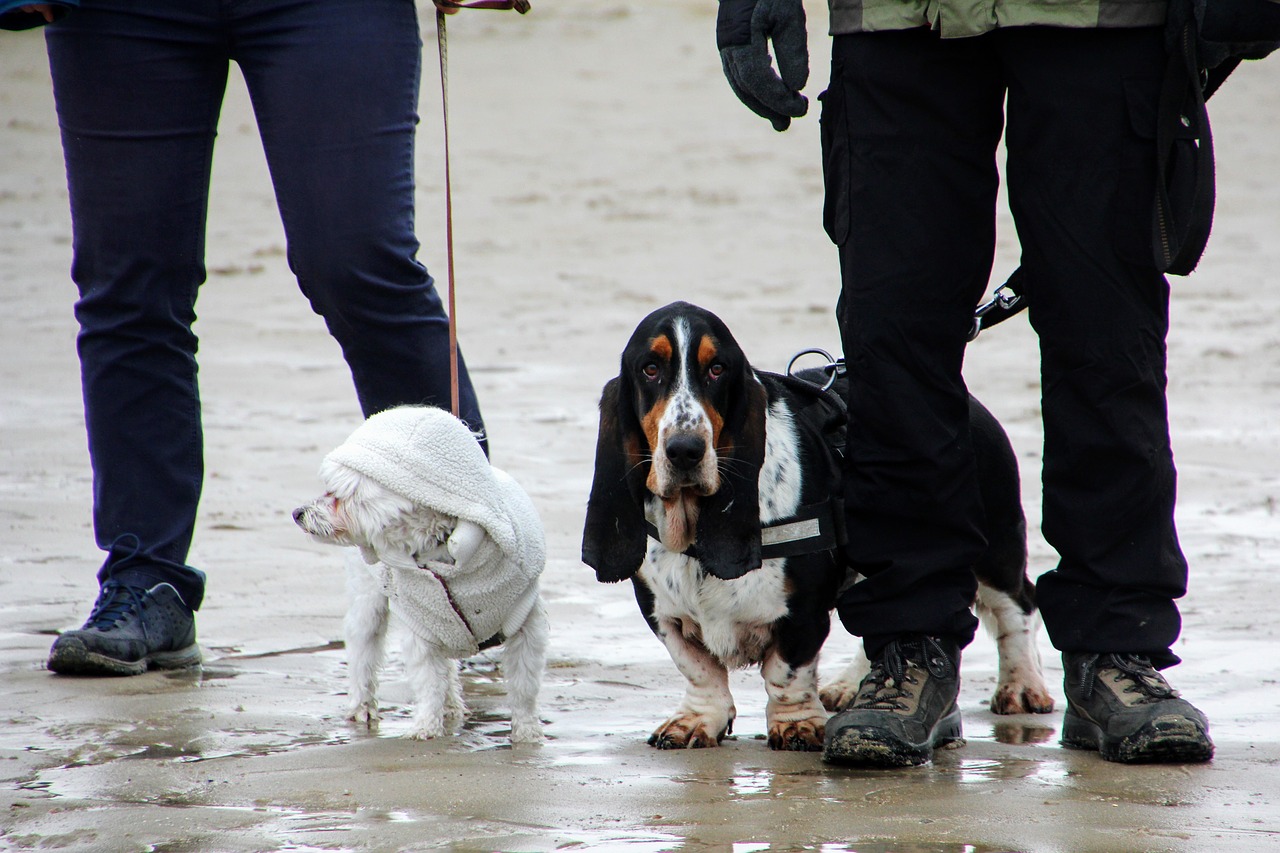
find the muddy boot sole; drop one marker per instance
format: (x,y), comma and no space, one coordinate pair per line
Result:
(876,746)
(70,656)
(1168,739)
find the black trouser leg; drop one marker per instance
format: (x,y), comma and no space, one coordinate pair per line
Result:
(910,128)
(1081,180)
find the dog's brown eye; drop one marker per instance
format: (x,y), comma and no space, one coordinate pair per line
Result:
(650,370)
(716,370)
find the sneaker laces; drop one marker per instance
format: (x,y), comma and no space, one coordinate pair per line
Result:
(883,688)
(117,600)
(1143,677)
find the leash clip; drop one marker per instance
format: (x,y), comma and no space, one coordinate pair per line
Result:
(1001,300)
(833,368)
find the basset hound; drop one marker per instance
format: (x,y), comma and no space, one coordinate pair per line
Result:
(716,493)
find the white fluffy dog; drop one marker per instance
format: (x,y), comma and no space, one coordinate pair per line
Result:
(450,545)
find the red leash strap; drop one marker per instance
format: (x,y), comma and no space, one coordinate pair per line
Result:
(442,41)
(443,44)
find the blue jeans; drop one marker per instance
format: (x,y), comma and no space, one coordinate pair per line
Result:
(139,85)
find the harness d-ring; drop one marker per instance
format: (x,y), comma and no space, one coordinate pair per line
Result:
(832,366)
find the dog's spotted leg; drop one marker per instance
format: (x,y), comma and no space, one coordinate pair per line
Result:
(524,657)
(837,694)
(706,714)
(437,689)
(794,715)
(1020,688)
(365,630)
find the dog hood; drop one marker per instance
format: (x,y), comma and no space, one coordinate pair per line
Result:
(430,457)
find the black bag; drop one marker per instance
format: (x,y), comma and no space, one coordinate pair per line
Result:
(1206,40)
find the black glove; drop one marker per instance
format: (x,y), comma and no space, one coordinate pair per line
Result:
(743,30)
(14,17)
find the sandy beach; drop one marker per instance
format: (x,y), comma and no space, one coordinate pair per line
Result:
(602,168)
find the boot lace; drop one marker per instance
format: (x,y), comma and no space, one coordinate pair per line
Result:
(1143,678)
(885,686)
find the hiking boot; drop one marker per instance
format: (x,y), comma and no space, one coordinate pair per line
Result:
(905,707)
(130,629)
(1119,705)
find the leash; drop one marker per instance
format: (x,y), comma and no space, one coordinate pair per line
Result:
(1004,303)
(442,41)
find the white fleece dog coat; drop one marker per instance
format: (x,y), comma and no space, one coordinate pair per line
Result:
(499,548)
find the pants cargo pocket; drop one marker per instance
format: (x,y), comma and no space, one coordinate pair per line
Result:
(834,124)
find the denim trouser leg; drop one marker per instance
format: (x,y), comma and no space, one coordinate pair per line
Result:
(138,85)
(138,111)
(335,90)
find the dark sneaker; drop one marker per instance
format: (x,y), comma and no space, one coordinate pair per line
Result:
(905,707)
(129,630)
(1119,705)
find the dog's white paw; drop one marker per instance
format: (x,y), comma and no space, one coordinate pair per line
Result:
(1015,697)
(689,730)
(837,695)
(365,712)
(800,735)
(427,730)
(526,732)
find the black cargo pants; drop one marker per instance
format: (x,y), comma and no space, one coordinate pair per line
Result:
(910,126)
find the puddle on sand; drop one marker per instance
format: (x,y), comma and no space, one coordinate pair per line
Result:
(149,743)
(200,674)
(971,771)
(1018,733)
(253,750)
(865,847)
(632,842)
(234,653)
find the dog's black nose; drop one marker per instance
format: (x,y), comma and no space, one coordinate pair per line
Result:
(297,513)
(685,451)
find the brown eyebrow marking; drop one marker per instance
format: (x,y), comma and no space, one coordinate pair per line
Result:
(661,346)
(707,350)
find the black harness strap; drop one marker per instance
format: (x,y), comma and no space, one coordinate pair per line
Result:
(813,529)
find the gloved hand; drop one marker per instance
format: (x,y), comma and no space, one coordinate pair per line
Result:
(743,30)
(25,15)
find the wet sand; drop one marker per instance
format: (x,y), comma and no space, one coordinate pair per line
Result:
(602,168)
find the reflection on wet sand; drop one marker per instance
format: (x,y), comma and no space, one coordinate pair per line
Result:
(1016,733)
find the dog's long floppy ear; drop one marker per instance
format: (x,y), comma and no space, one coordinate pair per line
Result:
(729,521)
(613,539)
